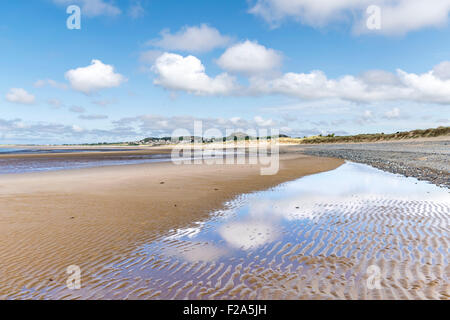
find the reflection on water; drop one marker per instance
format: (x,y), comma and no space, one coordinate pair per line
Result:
(313,238)
(24,165)
(264,217)
(49,163)
(310,238)
(30,150)
(20,164)
(10,150)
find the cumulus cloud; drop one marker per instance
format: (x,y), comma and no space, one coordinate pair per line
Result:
(426,87)
(176,72)
(20,96)
(316,85)
(369,87)
(442,70)
(249,58)
(263,122)
(397,16)
(201,38)
(94,77)
(188,74)
(380,77)
(93,8)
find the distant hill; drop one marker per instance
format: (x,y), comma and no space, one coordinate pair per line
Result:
(245,136)
(237,136)
(331,138)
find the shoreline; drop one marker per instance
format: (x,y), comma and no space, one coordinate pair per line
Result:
(126,152)
(92,217)
(424,160)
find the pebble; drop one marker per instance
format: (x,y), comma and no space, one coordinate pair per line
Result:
(399,158)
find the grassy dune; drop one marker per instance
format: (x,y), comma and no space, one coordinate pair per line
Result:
(427,133)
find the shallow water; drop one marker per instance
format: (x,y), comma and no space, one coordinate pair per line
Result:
(35,164)
(10,150)
(261,218)
(312,238)
(348,219)
(67,150)
(24,165)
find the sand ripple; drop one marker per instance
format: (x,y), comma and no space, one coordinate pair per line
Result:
(321,249)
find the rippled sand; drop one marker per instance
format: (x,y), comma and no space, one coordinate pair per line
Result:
(97,218)
(314,238)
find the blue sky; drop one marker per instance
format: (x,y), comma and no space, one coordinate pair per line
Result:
(144,68)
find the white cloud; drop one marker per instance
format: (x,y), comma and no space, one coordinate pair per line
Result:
(426,87)
(18,131)
(379,77)
(192,39)
(188,74)
(176,72)
(93,8)
(235,120)
(51,83)
(21,96)
(93,78)
(263,122)
(249,58)
(369,87)
(77,128)
(442,70)
(393,114)
(397,16)
(402,16)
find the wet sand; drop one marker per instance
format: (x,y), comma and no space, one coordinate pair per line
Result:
(96,217)
(302,240)
(85,152)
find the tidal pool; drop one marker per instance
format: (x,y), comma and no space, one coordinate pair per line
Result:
(352,233)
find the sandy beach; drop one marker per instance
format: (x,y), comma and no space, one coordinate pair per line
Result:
(94,217)
(166,231)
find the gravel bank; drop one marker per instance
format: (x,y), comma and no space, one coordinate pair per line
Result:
(425,160)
